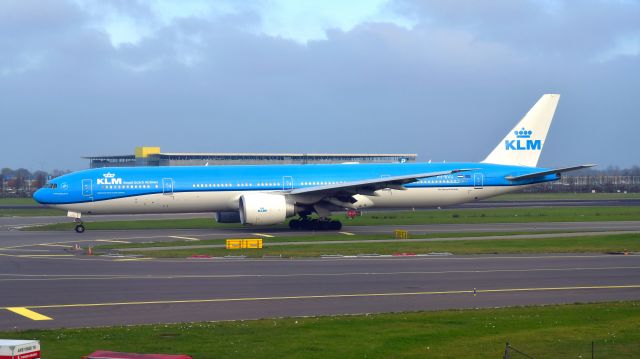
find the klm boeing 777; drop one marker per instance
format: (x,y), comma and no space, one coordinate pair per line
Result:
(269,194)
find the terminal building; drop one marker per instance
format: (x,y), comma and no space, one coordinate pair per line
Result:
(152,156)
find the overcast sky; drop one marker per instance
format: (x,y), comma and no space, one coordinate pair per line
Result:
(443,79)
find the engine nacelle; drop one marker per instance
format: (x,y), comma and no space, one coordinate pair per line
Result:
(227,217)
(264,208)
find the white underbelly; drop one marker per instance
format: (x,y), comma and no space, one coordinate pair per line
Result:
(178,202)
(436,196)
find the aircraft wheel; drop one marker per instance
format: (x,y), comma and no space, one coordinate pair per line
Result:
(336,225)
(79,228)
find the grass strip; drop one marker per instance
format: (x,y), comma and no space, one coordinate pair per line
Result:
(314,238)
(31,212)
(556,331)
(18,201)
(564,196)
(587,244)
(444,216)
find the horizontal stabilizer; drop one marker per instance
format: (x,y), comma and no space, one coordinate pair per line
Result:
(548,172)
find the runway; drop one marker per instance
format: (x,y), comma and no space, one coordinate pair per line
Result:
(44,285)
(78,292)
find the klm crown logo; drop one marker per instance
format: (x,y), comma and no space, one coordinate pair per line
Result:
(523,142)
(523,133)
(109,178)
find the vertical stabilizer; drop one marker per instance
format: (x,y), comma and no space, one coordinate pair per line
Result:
(523,144)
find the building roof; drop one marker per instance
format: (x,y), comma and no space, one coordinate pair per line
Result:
(249,154)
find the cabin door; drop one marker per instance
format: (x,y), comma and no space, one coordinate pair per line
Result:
(87,188)
(167,186)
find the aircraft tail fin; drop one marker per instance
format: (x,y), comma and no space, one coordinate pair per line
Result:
(523,144)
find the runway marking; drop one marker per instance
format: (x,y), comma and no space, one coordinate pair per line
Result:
(332,296)
(187,238)
(54,245)
(60,277)
(347,233)
(130,259)
(42,255)
(263,235)
(28,313)
(109,241)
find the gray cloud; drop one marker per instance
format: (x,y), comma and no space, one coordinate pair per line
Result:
(449,88)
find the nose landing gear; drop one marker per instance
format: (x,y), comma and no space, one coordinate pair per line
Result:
(79,226)
(77,218)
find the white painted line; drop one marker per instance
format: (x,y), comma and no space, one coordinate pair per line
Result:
(110,241)
(54,245)
(43,255)
(263,235)
(130,259)
(347,233)
(187,238)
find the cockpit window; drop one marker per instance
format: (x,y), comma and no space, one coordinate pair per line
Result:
(51,185)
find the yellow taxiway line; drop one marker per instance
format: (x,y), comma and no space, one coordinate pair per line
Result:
(330,296)
(28,313)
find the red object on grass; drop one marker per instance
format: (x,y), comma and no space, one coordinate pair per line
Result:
(352,213)
(101,354)
(199,256)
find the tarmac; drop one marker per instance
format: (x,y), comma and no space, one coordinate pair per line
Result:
(47,285)
(46,292)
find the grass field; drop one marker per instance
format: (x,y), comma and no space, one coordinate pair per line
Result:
(31,212)
(26,212)
(564,196)
(584,244)
(17,201)
(559,331)
(449,216)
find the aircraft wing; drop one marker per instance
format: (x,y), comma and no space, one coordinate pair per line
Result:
(548,172)
(369,186)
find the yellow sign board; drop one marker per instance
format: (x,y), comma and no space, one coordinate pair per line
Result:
(401,234)
(249,243)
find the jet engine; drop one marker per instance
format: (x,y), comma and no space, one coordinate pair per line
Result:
(264,208)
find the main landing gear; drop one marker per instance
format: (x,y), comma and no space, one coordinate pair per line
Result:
(313,224)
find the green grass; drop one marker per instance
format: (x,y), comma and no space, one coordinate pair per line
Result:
(584,244)
(26,212)
(564,196)
(312,237)
(17,201)
(558,331)
(30,212)
(449,216)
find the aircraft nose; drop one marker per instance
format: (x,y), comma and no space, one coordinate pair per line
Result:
(38,196)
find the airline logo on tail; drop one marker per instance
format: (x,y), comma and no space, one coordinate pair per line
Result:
(523,142)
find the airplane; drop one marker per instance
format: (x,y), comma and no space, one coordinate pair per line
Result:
(269,194)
